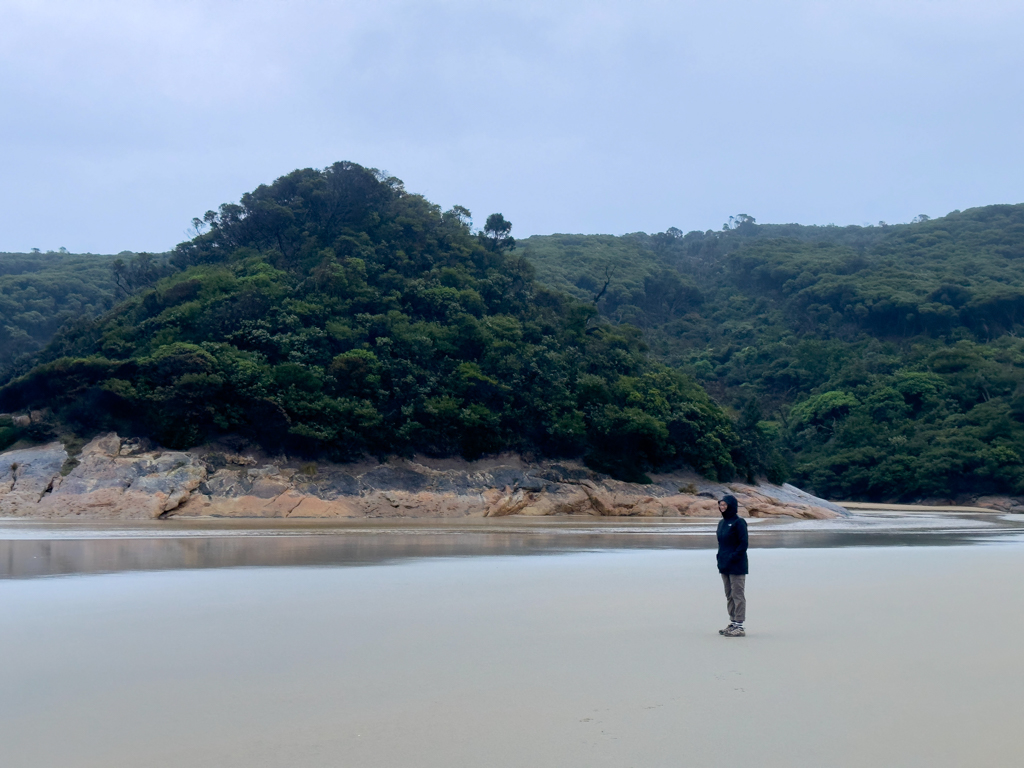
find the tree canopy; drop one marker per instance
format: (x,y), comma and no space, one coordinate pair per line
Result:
(40,292)
(334,312)
(883,362)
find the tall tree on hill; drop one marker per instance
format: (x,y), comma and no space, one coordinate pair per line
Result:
(498,231)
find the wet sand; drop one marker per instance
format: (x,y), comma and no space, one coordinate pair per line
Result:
(39,548)
(861,656)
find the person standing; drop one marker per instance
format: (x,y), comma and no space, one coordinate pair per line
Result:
(732,564)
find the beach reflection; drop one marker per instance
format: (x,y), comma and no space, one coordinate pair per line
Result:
(41,548)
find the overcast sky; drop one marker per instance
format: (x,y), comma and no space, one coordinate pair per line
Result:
(120,121)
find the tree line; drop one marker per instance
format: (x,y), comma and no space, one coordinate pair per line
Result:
(878,362)
(334,313)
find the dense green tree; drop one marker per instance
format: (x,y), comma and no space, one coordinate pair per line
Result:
(333,312)
(498,232)
(40,292)
(884,360)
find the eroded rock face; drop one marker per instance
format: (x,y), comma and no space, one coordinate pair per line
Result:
(27,475)
(124,479)
(104,484)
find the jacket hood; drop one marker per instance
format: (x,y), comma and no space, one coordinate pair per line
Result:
(731,507)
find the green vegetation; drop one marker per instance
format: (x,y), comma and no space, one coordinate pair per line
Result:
(334,313)
(864,362)
(40,292)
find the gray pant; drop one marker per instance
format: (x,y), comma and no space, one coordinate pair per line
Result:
(735,596)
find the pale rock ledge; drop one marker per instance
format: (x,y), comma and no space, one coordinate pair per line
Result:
(129,479)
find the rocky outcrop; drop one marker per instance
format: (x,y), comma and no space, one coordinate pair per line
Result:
(110,479)
(114,478)
(1010,504)
(28,475)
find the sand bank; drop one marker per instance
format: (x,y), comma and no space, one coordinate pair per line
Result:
(895,656)
(866,506)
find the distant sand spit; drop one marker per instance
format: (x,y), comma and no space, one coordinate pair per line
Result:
(864,506)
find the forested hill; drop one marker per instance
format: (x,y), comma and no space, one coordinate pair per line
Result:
(40,292)
(333,312)
(883,361)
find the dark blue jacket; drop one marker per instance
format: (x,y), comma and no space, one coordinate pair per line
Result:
(732,540)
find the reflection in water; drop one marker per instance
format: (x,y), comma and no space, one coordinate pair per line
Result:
(32,549)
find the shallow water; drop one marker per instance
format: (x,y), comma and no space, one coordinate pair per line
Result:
(31,548)
(591,646)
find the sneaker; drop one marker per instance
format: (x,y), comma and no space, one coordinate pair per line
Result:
(734,631)
(723,631)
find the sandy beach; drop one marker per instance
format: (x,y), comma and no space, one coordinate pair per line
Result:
(860,656)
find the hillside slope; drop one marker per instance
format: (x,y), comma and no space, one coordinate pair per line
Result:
(40,292)
(333,312)
(885,362)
